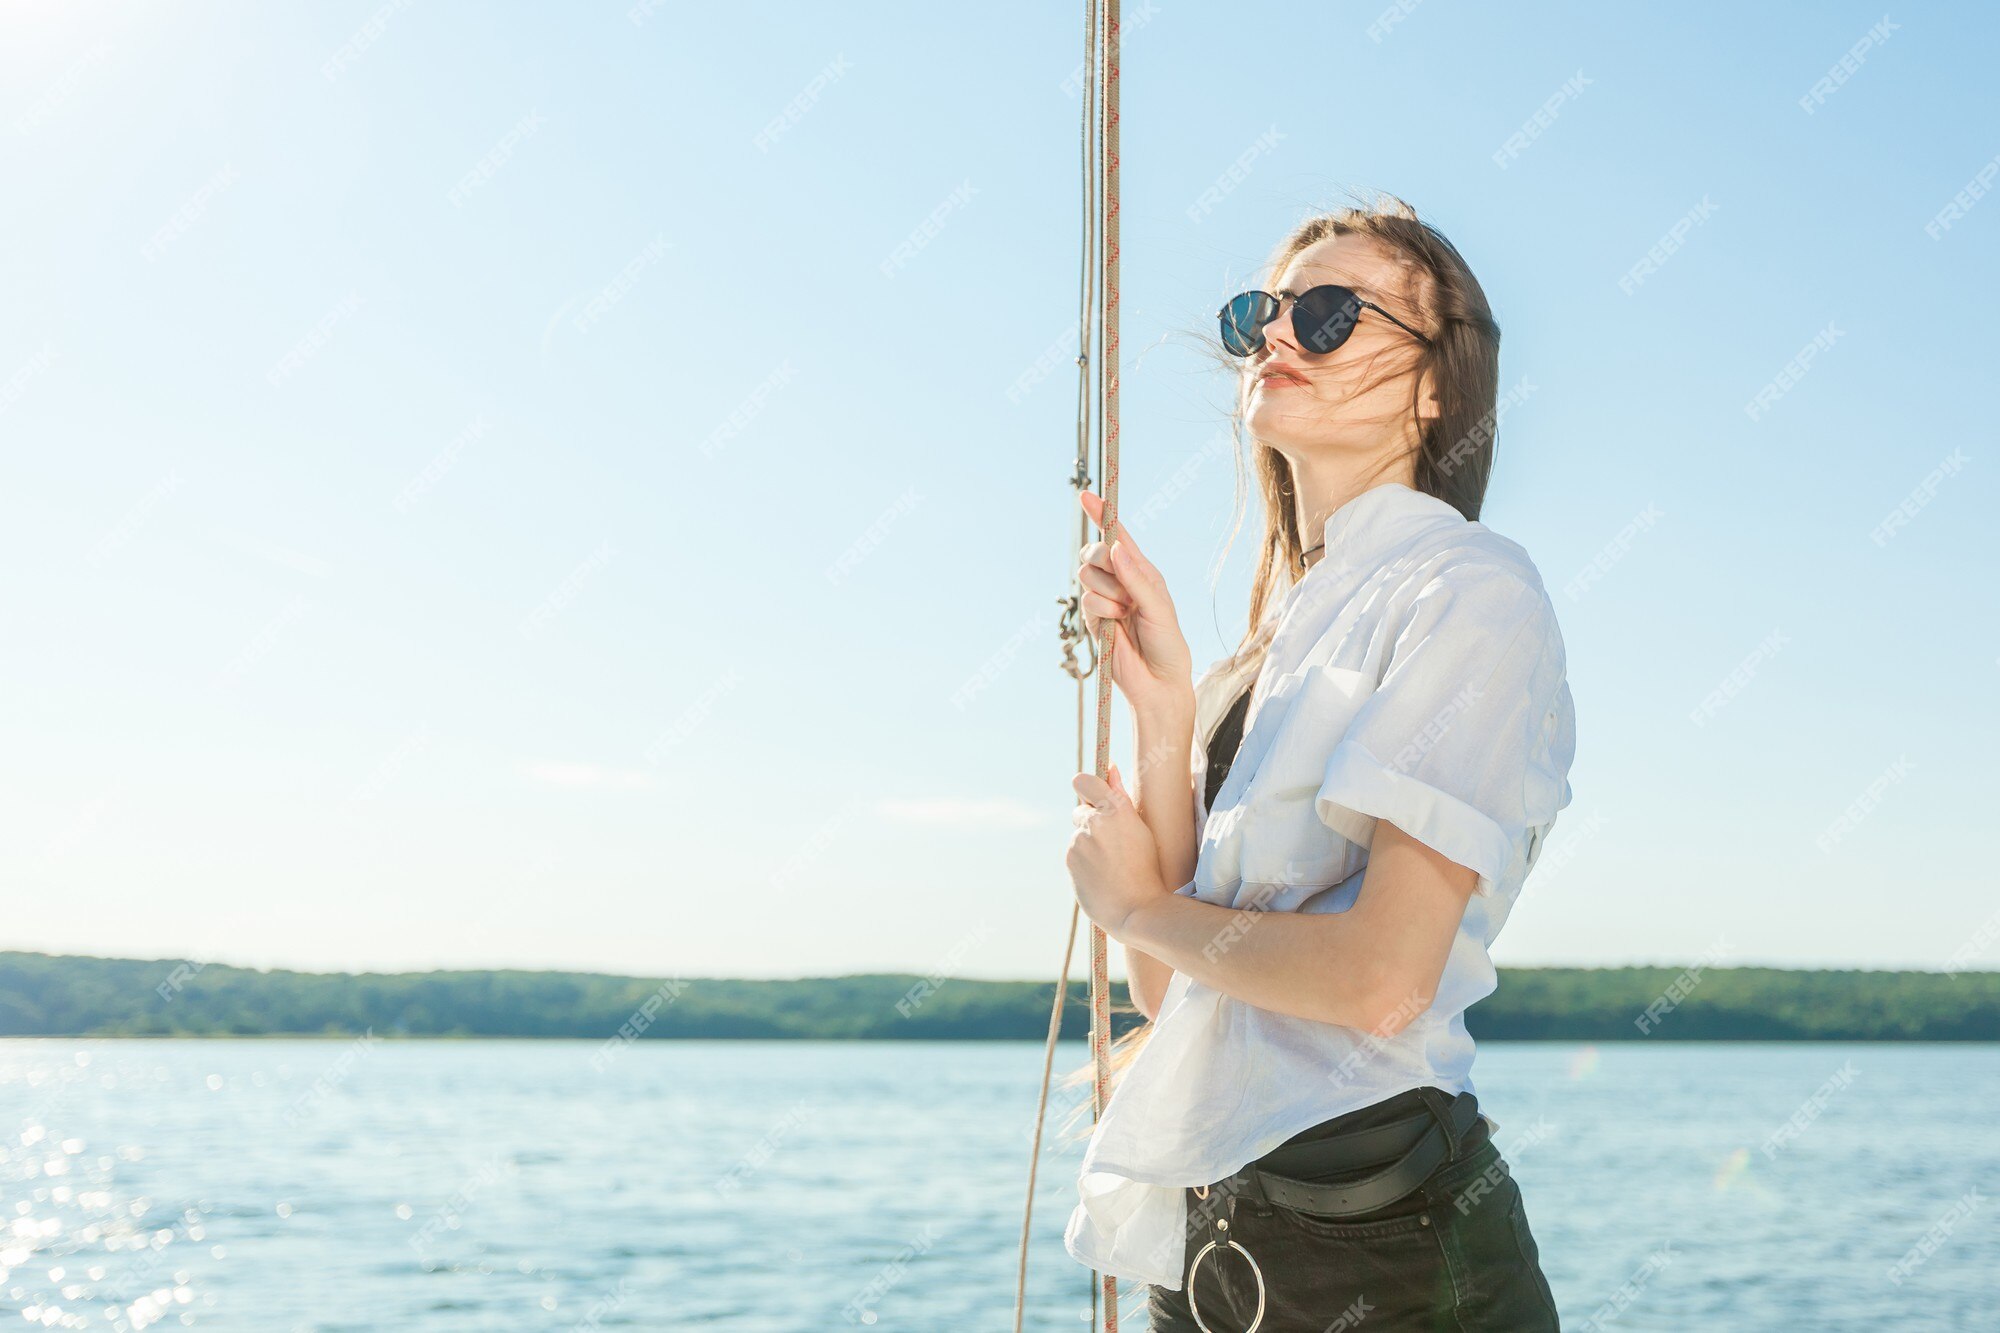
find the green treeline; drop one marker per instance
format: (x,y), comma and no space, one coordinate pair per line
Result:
(48,996)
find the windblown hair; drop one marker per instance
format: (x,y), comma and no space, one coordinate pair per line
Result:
(1453,457)
(1454,452)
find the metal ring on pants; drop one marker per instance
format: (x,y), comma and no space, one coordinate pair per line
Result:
(1201,1192)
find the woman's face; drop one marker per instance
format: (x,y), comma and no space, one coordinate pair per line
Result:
(1355,399)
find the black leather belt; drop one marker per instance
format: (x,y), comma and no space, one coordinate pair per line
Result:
(1407,1151)
(1412,1148)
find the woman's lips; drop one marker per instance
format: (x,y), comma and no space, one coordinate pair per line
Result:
(1276,379)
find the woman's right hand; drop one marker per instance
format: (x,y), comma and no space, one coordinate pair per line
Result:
(1149,663)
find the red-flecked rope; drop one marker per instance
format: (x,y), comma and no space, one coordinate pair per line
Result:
(1100,1006)
(1100,208)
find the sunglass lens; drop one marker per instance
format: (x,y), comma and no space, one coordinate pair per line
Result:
(1243,321)
(1324,316)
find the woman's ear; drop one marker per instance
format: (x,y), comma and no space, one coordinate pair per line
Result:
(1428,406)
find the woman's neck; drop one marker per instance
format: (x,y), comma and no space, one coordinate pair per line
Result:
(1324,485)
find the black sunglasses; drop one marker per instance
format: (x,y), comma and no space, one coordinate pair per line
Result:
(1322,317)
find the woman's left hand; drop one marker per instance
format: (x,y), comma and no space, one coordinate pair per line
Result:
(1113,860)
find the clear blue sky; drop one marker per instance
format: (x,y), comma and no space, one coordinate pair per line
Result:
(500,484)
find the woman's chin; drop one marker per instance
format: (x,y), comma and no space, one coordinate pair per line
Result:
(1282,417)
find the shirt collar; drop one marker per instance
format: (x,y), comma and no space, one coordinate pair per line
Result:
(1368,523)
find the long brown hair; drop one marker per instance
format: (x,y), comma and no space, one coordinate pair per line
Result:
(1453,458)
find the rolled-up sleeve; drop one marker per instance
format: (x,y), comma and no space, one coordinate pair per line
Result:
(1454,745)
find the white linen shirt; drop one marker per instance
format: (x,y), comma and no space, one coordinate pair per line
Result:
(1416,675)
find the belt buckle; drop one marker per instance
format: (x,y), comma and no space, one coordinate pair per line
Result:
(1224,1241)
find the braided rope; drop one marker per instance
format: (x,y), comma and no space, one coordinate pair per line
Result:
(1100,241)
(1100,985)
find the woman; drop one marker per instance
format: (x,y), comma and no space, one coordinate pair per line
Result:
(1307,897)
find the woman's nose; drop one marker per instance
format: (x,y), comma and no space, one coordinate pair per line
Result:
(1279,332)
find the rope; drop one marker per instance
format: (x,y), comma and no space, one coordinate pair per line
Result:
(1096,288)
(1100,1008)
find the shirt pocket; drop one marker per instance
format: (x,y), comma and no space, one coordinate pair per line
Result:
(1284,841)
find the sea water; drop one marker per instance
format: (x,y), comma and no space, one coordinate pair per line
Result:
(542,1185)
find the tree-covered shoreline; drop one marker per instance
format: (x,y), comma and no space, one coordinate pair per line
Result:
(44,995)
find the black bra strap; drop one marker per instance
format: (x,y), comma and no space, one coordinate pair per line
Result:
(1224,744)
